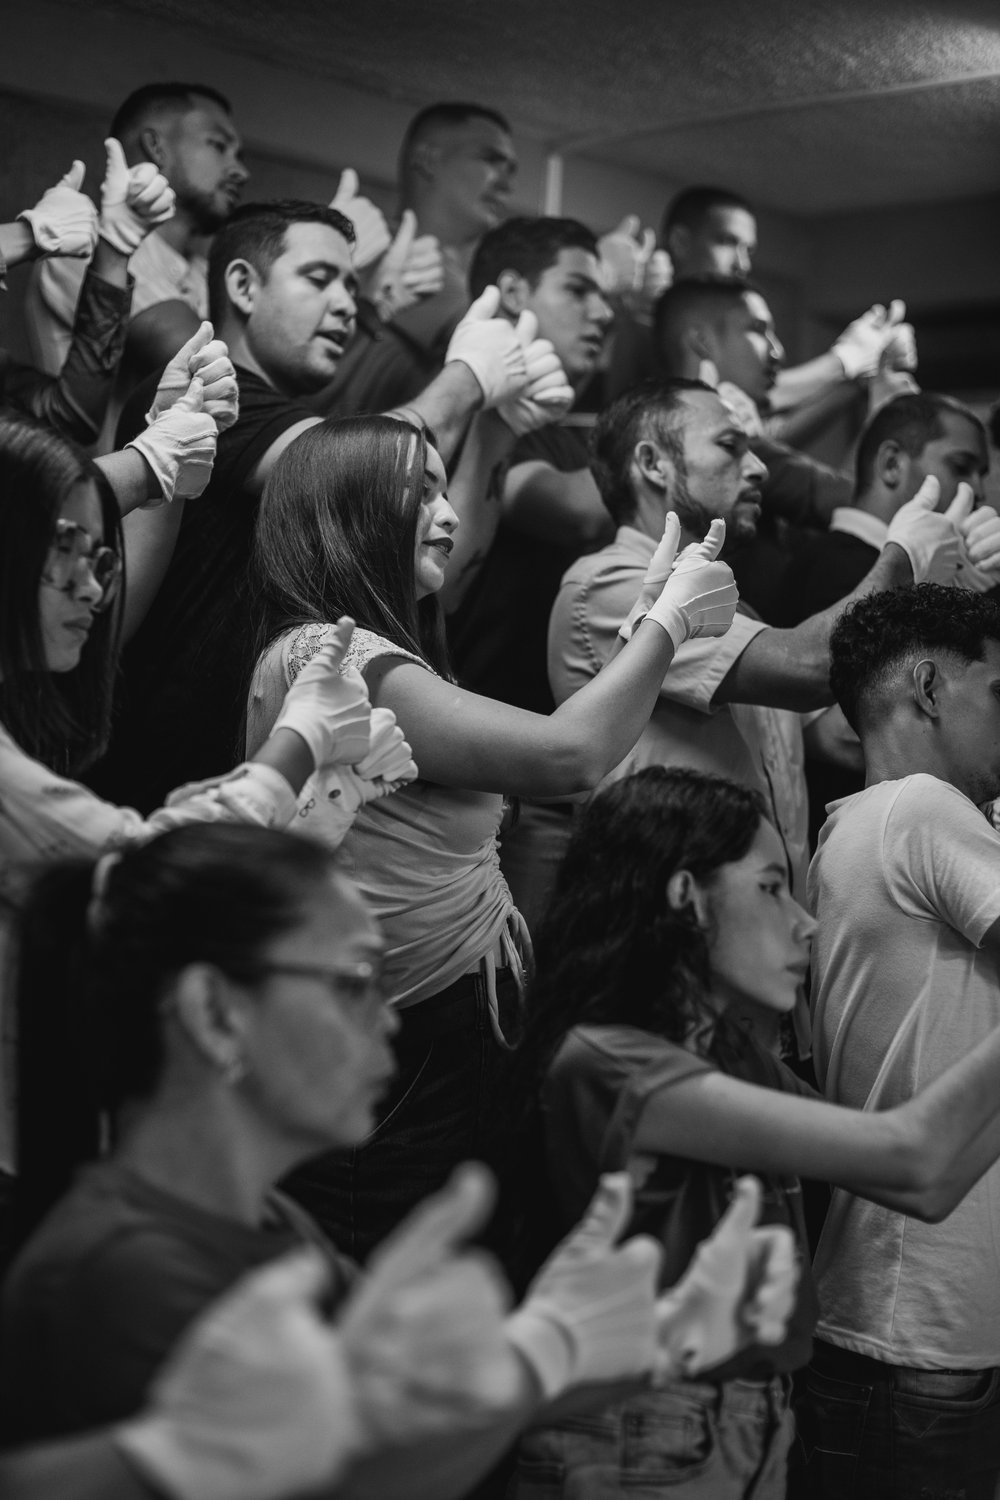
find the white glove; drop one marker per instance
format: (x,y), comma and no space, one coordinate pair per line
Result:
(133,200)
(411,268)
(931,541)
(692,596)
(424,1331)
(179,447)
(388,765)
(64,220)
(492,348)
(624,253)
(372,237)
(899,351)
(979,568)
(588,1314)
(859,347)
(742,406)
(327,708)
(548,395)
(739,1289)
(252,793)
(255,1401)
(207,357)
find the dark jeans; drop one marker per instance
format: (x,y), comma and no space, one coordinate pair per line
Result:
(440,1111)
(872,1431)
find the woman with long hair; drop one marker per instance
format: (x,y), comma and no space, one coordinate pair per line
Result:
(355,518)
(671,914)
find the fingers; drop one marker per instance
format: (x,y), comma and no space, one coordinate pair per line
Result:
(708,549)
(434,1229)
(74,177)
(666,550)
(347,188)
(116,163)
(193,397)
(960,507)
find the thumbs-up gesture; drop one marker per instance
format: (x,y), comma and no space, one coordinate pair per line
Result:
(625,253)
(412,268)
(930,540)
(371,232)
(179,447)
(491,348)
(899,352)
(133,200)
(207,357)
(64,220)
(548,394)
(979,530)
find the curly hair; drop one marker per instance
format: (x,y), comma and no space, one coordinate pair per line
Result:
(884,632)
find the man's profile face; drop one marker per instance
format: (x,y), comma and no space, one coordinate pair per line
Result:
(745,347)
(204,162)
(958,455)
(722,245)
(571,310)
(304,309)
(722,476)
(475,166)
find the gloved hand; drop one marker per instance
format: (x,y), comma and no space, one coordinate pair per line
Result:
(859,347)
(588,1315)
(372,237)
(179,447)
(207,357)
(492,348)
(739,1289)
(931,541)
(692,596)
(411,268)
(133,200)
(388,765)
(624,253)
(327,708)
(743,407)
(548,395)
(255,1399)
(899,351)
(64,220)
(424,1330)
(979,568)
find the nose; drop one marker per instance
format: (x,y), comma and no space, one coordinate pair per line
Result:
(444,516)
(803,924)
(240,172)
(743,265)
(341,300)
(86,589)
(600,311)
(753,468)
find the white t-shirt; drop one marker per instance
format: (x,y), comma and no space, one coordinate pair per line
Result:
(905,884)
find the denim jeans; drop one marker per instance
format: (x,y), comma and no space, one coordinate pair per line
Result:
(691,1439)
(872,1431)
(450,1067)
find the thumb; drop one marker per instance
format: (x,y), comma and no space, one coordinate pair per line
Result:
(629,226)
(347,188)
(743,1211)
(896,313)
(435,1228)
(301,1276)
(708,373)
(193,398)
(708,549)
(405,234)
(74,177)
(338,641)
(605,1217)
(928,495)
(484,307)
(648,245)
(116,163)
(526,328)
(204,335)
(961,506)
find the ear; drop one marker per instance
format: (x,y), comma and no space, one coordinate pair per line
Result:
(204,1003)
(653,466)
(892,465)
(679,242)
(684,892)
(514,293)
(151,145)
(242,286)
(927,688)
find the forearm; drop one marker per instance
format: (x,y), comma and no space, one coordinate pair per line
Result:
(476,494)
(806,382)
(17,243)
(131,478)
(447,405)
(150,540)
(82,1468)
(803,422)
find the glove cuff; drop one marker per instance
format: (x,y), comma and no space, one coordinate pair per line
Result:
(45,237)
(855,363)
(545,1346)
(122,232)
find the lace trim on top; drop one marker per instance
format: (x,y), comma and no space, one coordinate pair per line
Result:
(365,647)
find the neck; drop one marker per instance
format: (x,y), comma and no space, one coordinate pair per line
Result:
(452,230)
(210,1155)
(179,231)
(241,353)
(876,502)
(908,746)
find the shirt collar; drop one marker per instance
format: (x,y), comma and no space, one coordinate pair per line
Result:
(860,523)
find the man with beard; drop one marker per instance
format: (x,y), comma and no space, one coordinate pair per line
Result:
(187,132)
(729,705)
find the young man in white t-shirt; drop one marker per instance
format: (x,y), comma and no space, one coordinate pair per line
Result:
(903,1396)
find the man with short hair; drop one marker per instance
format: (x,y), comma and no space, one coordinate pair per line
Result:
(456,174)
(187,132)
(904,1390)
(723,706)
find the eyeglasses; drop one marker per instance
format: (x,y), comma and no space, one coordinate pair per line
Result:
(74,545)
(359,984)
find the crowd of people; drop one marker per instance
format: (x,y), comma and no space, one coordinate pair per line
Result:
(473,788)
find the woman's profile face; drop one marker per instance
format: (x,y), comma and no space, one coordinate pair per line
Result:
(316,1038)
(435,526)
(68,592)
(759,935)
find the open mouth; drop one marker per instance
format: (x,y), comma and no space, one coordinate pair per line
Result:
(443,544)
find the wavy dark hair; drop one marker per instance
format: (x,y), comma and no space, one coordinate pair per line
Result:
(91,971)
(60,718)
(336,535)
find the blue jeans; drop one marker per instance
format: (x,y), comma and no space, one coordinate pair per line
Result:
(873,1431)
(450,1068)
(691,1439)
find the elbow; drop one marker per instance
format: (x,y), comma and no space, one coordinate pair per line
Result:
(925,1182)
(572,770)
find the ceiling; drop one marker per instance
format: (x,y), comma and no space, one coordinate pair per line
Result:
(809,106)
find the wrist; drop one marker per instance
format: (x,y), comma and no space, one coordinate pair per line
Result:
(898,565)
